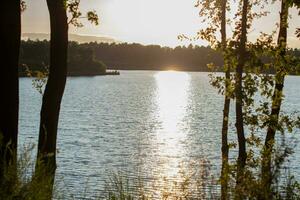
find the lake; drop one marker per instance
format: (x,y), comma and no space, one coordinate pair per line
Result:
(153,126)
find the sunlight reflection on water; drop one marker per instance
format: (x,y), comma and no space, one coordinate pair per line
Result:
(172,97)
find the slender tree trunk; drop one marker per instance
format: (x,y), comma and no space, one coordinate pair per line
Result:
(276,99)
(54,89)
(9,87)
(224,173)
(239,95)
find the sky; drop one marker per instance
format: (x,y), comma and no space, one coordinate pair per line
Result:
(147,21)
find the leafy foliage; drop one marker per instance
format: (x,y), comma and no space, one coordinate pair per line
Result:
(76,14)
(23,6)
(258,86)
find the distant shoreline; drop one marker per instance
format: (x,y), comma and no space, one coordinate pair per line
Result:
(108,73)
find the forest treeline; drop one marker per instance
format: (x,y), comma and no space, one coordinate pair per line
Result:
(154,57)
(92,58)
(34,57)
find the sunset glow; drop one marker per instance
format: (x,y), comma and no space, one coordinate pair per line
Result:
(144,21)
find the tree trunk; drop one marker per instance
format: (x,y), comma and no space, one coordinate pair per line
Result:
(276,98)
(224,172)
(239,95)
(9,87)
(46,156)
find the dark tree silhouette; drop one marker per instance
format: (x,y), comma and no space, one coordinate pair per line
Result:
(281,71)
(241,53)
(54,88)
(9,84)
(225,149)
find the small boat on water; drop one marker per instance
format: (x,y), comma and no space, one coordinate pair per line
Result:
(112,72)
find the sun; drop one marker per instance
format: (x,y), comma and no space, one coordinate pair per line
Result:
(172,68)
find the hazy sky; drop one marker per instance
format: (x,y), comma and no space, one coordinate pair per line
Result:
(145,21)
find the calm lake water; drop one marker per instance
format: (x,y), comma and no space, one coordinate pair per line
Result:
(153,126)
